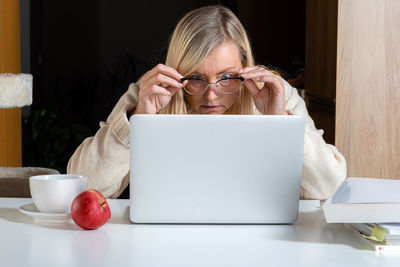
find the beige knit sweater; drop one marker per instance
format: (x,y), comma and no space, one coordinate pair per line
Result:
(104,158)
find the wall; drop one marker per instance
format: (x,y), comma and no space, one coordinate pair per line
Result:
(321,36)
(84,54)
(368,82)
(91,50)
(277,32)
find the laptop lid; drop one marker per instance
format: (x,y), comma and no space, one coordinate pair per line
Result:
(242,169)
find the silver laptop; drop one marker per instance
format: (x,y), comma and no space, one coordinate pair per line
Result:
(217,169)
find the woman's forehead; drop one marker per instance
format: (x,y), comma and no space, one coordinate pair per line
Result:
(226,58)
(233,69)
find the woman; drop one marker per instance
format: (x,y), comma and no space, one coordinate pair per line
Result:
(209,70)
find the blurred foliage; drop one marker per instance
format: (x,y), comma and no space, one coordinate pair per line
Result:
(48,141)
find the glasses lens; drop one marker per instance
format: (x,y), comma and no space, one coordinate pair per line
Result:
(229,85)
(225,86)
(196,86)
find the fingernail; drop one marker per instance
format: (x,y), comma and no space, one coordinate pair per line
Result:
(180,85)
(243,74)
(180,76)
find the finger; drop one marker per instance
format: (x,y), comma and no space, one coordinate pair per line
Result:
(270,79)
(247,69)
(155,90)
(257,73)
(165,81)
(252,87)
(172,90)
(169,71)
(274,82)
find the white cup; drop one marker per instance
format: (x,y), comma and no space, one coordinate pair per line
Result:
(54,193)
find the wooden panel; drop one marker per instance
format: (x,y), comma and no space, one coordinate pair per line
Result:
(368,82)
(10,119)
(9,36)
(321,30)
(10,137)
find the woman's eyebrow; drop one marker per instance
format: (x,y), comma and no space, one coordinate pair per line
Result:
(196,74)
(230,69)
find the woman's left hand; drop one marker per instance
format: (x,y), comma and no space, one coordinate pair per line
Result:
(270,99)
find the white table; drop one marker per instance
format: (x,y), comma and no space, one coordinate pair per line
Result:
(309,242)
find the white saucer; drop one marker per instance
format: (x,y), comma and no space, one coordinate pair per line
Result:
(31,210)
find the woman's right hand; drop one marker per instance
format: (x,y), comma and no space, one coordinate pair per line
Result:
(157,87)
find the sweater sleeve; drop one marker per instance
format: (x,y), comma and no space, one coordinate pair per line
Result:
(324,168)
(104,158)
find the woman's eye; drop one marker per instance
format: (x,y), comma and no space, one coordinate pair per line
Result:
(196,83)
(226,76)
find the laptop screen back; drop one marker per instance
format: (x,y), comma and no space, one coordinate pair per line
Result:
(215,168)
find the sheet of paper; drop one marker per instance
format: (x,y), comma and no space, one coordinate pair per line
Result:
(368,190)
(392,228)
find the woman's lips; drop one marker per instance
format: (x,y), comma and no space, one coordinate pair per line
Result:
(211,108)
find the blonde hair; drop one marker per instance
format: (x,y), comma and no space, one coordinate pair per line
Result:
(196,36)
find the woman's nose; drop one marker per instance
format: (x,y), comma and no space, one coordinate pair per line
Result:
(210,94)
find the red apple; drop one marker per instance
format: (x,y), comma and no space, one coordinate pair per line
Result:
(90,210)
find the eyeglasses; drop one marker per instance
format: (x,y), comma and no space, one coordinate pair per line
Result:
(227,85)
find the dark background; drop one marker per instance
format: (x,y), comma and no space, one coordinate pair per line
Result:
(84,54)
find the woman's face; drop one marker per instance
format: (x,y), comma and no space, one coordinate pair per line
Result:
(224,60)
